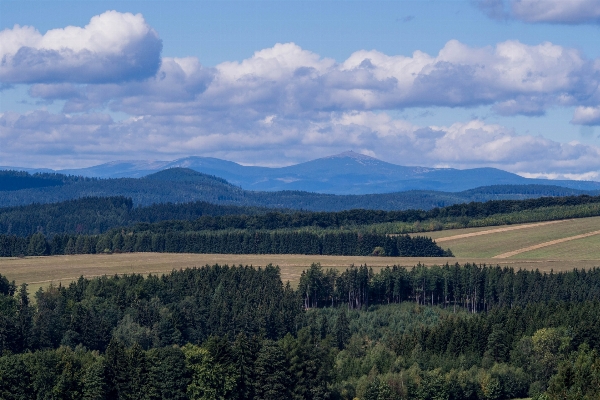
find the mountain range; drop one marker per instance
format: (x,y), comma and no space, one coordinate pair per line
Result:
(345,173)
(183,185)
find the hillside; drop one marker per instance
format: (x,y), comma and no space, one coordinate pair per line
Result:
(179,185)
(345,173)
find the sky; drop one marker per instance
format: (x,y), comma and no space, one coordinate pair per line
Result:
(511,84)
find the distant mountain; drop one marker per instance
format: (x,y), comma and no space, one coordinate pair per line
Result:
(183,185)
(345,173)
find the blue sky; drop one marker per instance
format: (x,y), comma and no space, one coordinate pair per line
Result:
(511,84)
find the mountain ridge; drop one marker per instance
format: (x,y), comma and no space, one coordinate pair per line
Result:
(344,173)
(179,185)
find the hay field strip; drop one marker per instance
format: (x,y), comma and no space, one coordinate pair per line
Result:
(43,271)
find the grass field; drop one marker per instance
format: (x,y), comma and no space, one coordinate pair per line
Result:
(490,242)
(478,245)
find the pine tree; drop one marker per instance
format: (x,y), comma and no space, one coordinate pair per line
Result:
(272,376)
(342,329)
(24,318)
(94,387)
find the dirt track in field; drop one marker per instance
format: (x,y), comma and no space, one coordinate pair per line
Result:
(546,244)
(498,230)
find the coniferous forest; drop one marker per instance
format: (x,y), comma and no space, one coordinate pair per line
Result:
(95,215)
(104,225)
(219,332)
(233,242)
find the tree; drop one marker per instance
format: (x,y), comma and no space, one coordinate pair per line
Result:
(272,376)
(209,379)
(37,245)
(342,329)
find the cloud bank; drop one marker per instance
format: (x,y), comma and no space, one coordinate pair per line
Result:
(95,137)
(513,77)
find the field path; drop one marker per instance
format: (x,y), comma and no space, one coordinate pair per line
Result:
(546,244)
(498,230)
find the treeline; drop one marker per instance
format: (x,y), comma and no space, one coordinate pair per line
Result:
(18,180)
(248,368)
(469,287)
(239,333)
(544,351)
(232,242)
(95,215)
(193,304)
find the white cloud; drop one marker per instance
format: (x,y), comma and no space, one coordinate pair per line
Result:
(286,80)
(587,176)
(586,116)
(548,11)
(113,47)
(287,104)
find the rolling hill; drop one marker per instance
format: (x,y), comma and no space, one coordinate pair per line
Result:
(345,173)
(181,185)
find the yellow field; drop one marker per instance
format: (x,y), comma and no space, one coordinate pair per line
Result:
(557,250)
(41,271)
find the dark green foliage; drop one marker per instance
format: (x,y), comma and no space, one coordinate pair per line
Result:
(239,333)
(235,242)
(342,329)
(18,180)
(272,373)
(93,215)
(578,377)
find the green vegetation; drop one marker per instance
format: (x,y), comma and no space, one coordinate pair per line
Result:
(239,333)
(233,242)
(94,215)
(15,180)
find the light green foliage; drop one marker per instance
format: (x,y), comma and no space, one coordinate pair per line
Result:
(210,379)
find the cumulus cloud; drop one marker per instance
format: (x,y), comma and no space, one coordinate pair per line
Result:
(113,47)
(513,77)
(548,11)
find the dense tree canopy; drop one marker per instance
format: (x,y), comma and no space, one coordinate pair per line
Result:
(239,333)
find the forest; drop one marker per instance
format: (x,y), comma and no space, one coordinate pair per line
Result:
(225,242)
(95,215)
(449,332)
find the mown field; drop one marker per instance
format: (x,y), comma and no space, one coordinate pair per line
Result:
(557,240)
(561,246)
